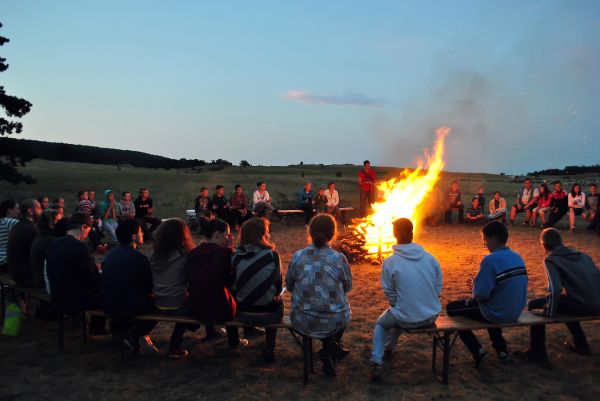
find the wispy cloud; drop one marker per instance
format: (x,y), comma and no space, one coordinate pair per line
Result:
(350,99)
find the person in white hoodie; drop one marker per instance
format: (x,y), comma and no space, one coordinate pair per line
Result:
(412,282)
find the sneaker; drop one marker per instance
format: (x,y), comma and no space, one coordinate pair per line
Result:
(216,334)
(326,356)
(581,351)
(178,353)
(479,357)
(253,332)
(341,353)
(243,343)
(503,356)
(376,369)
(530,356)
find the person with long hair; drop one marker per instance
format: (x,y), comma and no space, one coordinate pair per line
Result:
(172,243)
(576,201)
(319,279)
(543,206)
(258,282)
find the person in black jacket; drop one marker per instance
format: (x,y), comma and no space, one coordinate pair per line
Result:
(19,242)
(40,245)
(127,286)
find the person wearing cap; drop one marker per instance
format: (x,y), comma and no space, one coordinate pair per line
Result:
(109,213)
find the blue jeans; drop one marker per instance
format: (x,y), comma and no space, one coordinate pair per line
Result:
(110,226)
(388,329)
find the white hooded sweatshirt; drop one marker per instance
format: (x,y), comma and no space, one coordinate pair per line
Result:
(412,282)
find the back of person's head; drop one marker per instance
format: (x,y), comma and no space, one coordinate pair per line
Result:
(172,235)
(255,232)
(46,221)
(25,205)
(403,230)
(496,230)
(550,238)
(214,226)
(322,230)
(125,231)
(5,206)
(79,219)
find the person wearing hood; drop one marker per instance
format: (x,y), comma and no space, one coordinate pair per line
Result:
(258,282)
(499,292)
(574,272)
(412,282)
(109,213)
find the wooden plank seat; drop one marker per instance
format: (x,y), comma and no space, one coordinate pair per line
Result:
(305,342)
(446,328)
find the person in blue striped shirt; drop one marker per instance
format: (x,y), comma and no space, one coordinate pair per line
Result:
(9,217)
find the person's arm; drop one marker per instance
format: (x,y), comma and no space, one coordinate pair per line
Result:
(278,279)
(150,207)
(438,278)
(502,203)
(491,207)
(554,288)
(388,285)
(485,282)
(290,278)
(229,272)
(347,284)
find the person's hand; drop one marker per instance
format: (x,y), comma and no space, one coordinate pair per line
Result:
(470,283)
(277,298)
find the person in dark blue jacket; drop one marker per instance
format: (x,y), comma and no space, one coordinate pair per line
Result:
(499,292)
(127,286)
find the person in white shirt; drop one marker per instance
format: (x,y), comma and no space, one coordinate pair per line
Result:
(333,200)
(261,201)
(527,199)
(576,202)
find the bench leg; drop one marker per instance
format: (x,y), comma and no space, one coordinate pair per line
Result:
(445,342)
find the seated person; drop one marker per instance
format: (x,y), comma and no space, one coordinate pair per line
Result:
(474,213)
(261,201)
(59,201)
(526,200)
(219,203)
(591,205)
(321,202)
(144,210)
(453,200)
(497,207)
(333,200)
(319,278)
(72,274)
(559,205)
(543,206)
(258,283)
(499,292)
(576,203)
(202,202)
(238,207)
(210,277)
(481,197)
(18,248)
(9,217)
(306,201)
(127,286)
(412,282)
(40,245)
(109,213)
(126,206)
(573,282)
(44,202)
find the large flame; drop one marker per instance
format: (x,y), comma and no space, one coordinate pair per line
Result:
(402,197)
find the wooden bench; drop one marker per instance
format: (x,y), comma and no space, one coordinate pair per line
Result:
(190,215)
(446,328)
(305,342)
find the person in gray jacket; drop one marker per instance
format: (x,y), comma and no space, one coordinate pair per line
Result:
(576,273)
(412,282)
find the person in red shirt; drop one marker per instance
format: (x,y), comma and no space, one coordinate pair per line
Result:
(366,182)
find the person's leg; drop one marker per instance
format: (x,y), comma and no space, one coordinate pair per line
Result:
(177,336)
(498,341)
(448,215)
(381,335)
(461,214)
(233,337)
(363,203)
(110,227)
(571,218)
(270,339)
(467,307)
(534,215)
(513,213)
(579,339)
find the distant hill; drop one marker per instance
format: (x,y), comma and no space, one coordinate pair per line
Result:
(23,150)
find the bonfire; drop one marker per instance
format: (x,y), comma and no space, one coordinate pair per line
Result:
(371,238)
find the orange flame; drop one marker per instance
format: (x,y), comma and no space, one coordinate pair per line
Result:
(402,197)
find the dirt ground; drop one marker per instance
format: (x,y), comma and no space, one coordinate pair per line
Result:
(32,369)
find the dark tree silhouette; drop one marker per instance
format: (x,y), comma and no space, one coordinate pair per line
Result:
(14,108)
(244,163)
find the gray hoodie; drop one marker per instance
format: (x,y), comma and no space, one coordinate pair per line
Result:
(169,280)
(578,275)
(412,282)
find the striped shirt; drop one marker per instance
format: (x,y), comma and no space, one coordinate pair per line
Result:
(6,224)
(85,207)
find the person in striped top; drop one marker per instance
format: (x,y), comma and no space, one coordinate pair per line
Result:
(9,215)
(258,284)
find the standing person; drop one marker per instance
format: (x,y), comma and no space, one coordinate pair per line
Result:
(411,279)
(144,210)
(238,207)
(319,279)
(109,213)
(474,214)
(453,200)
(559,205)
(576,203)
(366,181)
(210,277)
(127,286)
(591,206)
(72,273)
(219,203)
(333,200)
(261,201)
(258,283)
(40,245)
(172,244)
(18,250)
(499,292)
(573,282)
(543,206)
(527,198)
(126,206)
(9,215)
(497,207)
(306,201)
(44,202)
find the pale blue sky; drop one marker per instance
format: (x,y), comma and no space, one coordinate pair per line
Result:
(324,82)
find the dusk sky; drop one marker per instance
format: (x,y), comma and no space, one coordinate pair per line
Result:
(280,82)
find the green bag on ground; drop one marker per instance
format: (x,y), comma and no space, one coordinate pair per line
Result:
(12,320)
